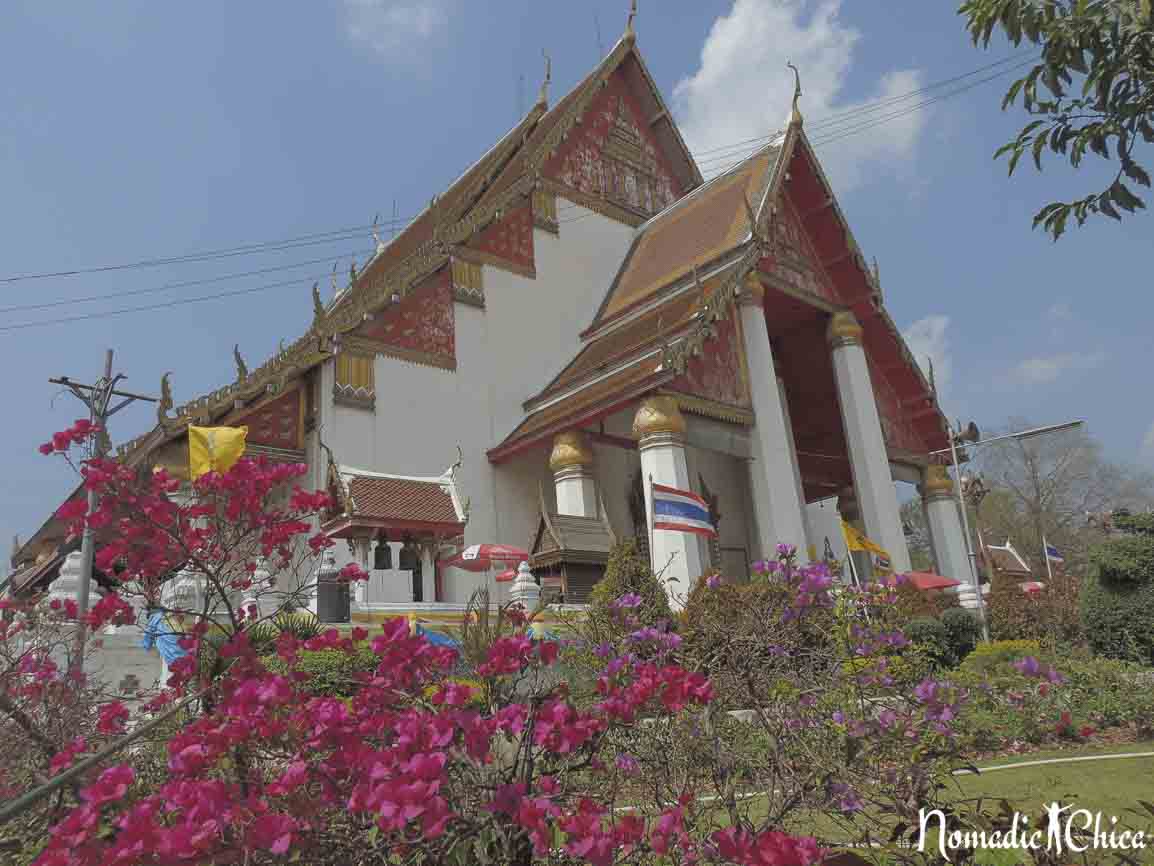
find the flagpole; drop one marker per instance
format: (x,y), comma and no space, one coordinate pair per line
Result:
(652,519)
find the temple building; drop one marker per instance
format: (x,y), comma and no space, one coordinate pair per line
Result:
(578,315)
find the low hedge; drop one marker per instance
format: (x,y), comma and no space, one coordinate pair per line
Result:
(330,673)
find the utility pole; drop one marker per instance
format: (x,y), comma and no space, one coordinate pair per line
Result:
(97,398)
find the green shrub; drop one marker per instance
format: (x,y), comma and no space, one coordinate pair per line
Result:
(1118,619)
(963,630)
(330,673)
(1117,603)
(932,637)
(988,656)
(627,571)
(1128,559)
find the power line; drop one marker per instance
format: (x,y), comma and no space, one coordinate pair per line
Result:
(247,249)
(872,122)
(181,285)
(868,107)
(160,305)
(829,138)
(722,152)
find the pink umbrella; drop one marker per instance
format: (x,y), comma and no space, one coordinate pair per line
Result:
(482,557)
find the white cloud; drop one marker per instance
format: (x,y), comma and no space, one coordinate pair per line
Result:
(393,28)
(927,341)
(1043,371)
(742,89)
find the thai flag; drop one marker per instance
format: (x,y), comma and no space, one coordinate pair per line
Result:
(680,511)
(1053,555)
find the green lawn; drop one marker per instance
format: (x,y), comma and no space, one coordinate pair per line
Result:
(1112,787)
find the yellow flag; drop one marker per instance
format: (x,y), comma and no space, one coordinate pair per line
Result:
(855,540)
(214,449)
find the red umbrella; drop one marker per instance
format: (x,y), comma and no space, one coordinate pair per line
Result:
(1032,586)
(507,576)
(482,557)
(928,580)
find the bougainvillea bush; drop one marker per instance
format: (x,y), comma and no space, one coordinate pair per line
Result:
(650,762)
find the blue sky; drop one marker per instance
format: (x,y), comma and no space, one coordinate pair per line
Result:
(133,130)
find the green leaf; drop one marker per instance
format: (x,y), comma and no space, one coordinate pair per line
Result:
(1104,206)
(1135,172)
(1146,804)
(1039,145)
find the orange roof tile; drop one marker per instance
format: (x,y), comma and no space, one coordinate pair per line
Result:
(403,500)
(696,230)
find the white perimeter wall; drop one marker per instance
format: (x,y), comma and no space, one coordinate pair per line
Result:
(506,353)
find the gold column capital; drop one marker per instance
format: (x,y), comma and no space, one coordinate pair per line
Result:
(658,414)
(570,448)
(936,482)
(844,330)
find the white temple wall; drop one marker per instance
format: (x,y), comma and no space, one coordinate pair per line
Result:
(505,354)
(534,324)
(728,479)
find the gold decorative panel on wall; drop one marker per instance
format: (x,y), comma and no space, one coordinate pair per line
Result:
(354,385)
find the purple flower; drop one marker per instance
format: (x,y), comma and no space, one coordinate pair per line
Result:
(1029,666)
(784,551)
(926,691)
(713,581)
(838,717)
(847,799)
(629,600)
(627,763)
(603,650)
(887,719)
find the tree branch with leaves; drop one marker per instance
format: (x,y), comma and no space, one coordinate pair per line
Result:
(1091,91)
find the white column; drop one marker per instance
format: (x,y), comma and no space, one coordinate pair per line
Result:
(774,478)
(804,550)
(945,523)
(573,482)
(677,556)
(873,483)
(428,573)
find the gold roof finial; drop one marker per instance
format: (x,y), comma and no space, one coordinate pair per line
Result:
(630,33)
(164,404)
(377,242)
(241,367)
(795,111)
(543,93)
(318,307)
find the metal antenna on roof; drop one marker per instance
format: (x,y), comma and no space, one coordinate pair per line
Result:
(629,31)
(600,42)
(520,95)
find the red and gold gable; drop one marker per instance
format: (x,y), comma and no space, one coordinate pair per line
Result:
(420,328)
(508,242)
(718,374)
(613,156)
(794,260)
(897,428)
(275,423)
